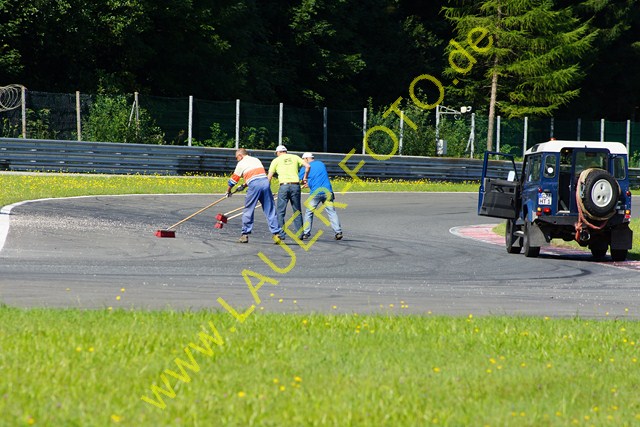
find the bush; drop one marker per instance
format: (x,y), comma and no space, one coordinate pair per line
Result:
(219,138)
(38,126)
(110,120)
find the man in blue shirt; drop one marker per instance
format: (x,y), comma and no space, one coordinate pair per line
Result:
(321,192)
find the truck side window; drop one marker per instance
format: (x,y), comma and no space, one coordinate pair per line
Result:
(550,166)
(618,168)
(533,169)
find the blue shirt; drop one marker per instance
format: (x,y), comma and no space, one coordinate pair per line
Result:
(318,177)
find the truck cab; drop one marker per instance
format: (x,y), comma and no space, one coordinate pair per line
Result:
(570,190)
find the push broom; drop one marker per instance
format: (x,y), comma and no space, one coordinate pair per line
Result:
(168,232)
(223,218)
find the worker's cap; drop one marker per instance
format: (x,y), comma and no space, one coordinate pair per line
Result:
(307,156)
(281,148)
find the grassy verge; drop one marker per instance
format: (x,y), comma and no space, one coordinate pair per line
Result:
(26,187)
(634,253)
(71,367)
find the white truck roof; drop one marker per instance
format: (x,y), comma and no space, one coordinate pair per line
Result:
(555,146)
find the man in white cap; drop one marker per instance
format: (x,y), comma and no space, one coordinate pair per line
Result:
(321,192)
(286,166)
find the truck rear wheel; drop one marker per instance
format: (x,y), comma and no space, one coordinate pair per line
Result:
(529,251)
(619,254)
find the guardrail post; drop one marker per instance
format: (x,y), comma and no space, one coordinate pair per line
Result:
(601,130)
(551,123)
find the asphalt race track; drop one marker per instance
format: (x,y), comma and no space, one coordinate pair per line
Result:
(398,256)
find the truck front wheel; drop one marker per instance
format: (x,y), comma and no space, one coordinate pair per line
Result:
(513,242)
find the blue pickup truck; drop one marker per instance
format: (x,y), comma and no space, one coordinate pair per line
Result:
(570,190)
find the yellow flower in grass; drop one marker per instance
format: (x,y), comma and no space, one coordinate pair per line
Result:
(30,420)
(116,418)
(241,394)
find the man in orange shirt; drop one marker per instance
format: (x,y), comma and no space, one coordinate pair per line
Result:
(258,190)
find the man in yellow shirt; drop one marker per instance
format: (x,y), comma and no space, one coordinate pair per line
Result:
(286,166)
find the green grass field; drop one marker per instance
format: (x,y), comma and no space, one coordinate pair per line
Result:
(92,368)
(26,187)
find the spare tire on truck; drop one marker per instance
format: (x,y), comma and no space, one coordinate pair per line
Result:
(599,195)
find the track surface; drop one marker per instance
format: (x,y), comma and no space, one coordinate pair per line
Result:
(397,250)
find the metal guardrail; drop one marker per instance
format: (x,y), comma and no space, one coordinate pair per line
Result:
(118,158)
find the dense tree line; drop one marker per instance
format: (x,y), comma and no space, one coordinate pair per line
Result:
(568,58)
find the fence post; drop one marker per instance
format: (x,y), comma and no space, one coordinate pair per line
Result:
(78,117)
(472,136)
(23,91)
(280,124)
(498,134)
(401,132)
(237,124)
(601,130)
(579,128)
(526,131)
(629,138)
(551,123)
(437,126)
(325,138)
(137,104)
(190,125)
(364,129)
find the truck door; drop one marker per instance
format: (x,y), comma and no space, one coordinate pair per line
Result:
(499,187)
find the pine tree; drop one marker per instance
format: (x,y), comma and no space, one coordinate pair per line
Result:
(532,66)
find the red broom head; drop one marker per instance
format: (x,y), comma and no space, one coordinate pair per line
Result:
(165,233)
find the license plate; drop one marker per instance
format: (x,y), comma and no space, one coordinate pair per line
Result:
(544,199)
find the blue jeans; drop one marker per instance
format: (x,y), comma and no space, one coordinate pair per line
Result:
(289,193)
(259,190)
(328,208)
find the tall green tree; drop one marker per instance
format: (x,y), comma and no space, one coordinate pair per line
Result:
(611,88)
(531,67)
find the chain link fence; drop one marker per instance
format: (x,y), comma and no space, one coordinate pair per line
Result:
(192,121)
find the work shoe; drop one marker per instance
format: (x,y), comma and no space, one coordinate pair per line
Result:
(276,239)
(305,236)
(339,236)
(243,239)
